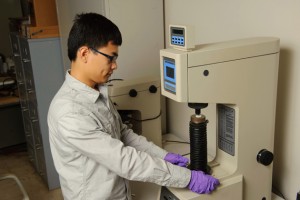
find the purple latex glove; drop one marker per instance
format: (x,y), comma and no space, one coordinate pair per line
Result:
(176,159)
(202,183)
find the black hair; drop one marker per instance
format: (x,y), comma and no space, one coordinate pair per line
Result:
(92,30)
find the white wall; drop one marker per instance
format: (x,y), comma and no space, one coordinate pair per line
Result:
(141,25)
(224,20)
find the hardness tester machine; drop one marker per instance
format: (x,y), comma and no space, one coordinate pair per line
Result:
(239,77)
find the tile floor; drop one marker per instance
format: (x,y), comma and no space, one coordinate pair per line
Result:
(15,161)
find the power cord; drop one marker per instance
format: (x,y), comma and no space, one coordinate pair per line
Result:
(142,120)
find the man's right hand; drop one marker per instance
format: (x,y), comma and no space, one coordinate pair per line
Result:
(202,183)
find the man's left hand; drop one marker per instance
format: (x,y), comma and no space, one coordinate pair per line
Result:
(176,159)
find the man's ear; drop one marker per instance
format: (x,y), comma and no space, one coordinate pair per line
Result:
(82,53)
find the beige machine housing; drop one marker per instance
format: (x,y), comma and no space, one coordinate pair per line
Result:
(146,108)
(240,75)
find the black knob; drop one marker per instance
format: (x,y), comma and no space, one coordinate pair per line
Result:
(133,93)
(265,157)
(152,89)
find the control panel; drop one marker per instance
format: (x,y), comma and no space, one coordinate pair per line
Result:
(182,37)
(177,36)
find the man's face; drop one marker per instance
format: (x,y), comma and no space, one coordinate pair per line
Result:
(100,67)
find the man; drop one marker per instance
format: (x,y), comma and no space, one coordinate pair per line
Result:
(94,153)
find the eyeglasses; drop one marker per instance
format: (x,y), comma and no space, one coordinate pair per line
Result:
(112,59)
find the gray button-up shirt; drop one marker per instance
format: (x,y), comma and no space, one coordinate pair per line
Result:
(95,154)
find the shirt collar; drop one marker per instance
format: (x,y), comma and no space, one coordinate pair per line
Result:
(91,93)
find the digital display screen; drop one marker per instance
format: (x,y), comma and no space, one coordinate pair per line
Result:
(169,74)
(177,31)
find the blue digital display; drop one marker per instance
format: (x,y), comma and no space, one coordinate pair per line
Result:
(169,74)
